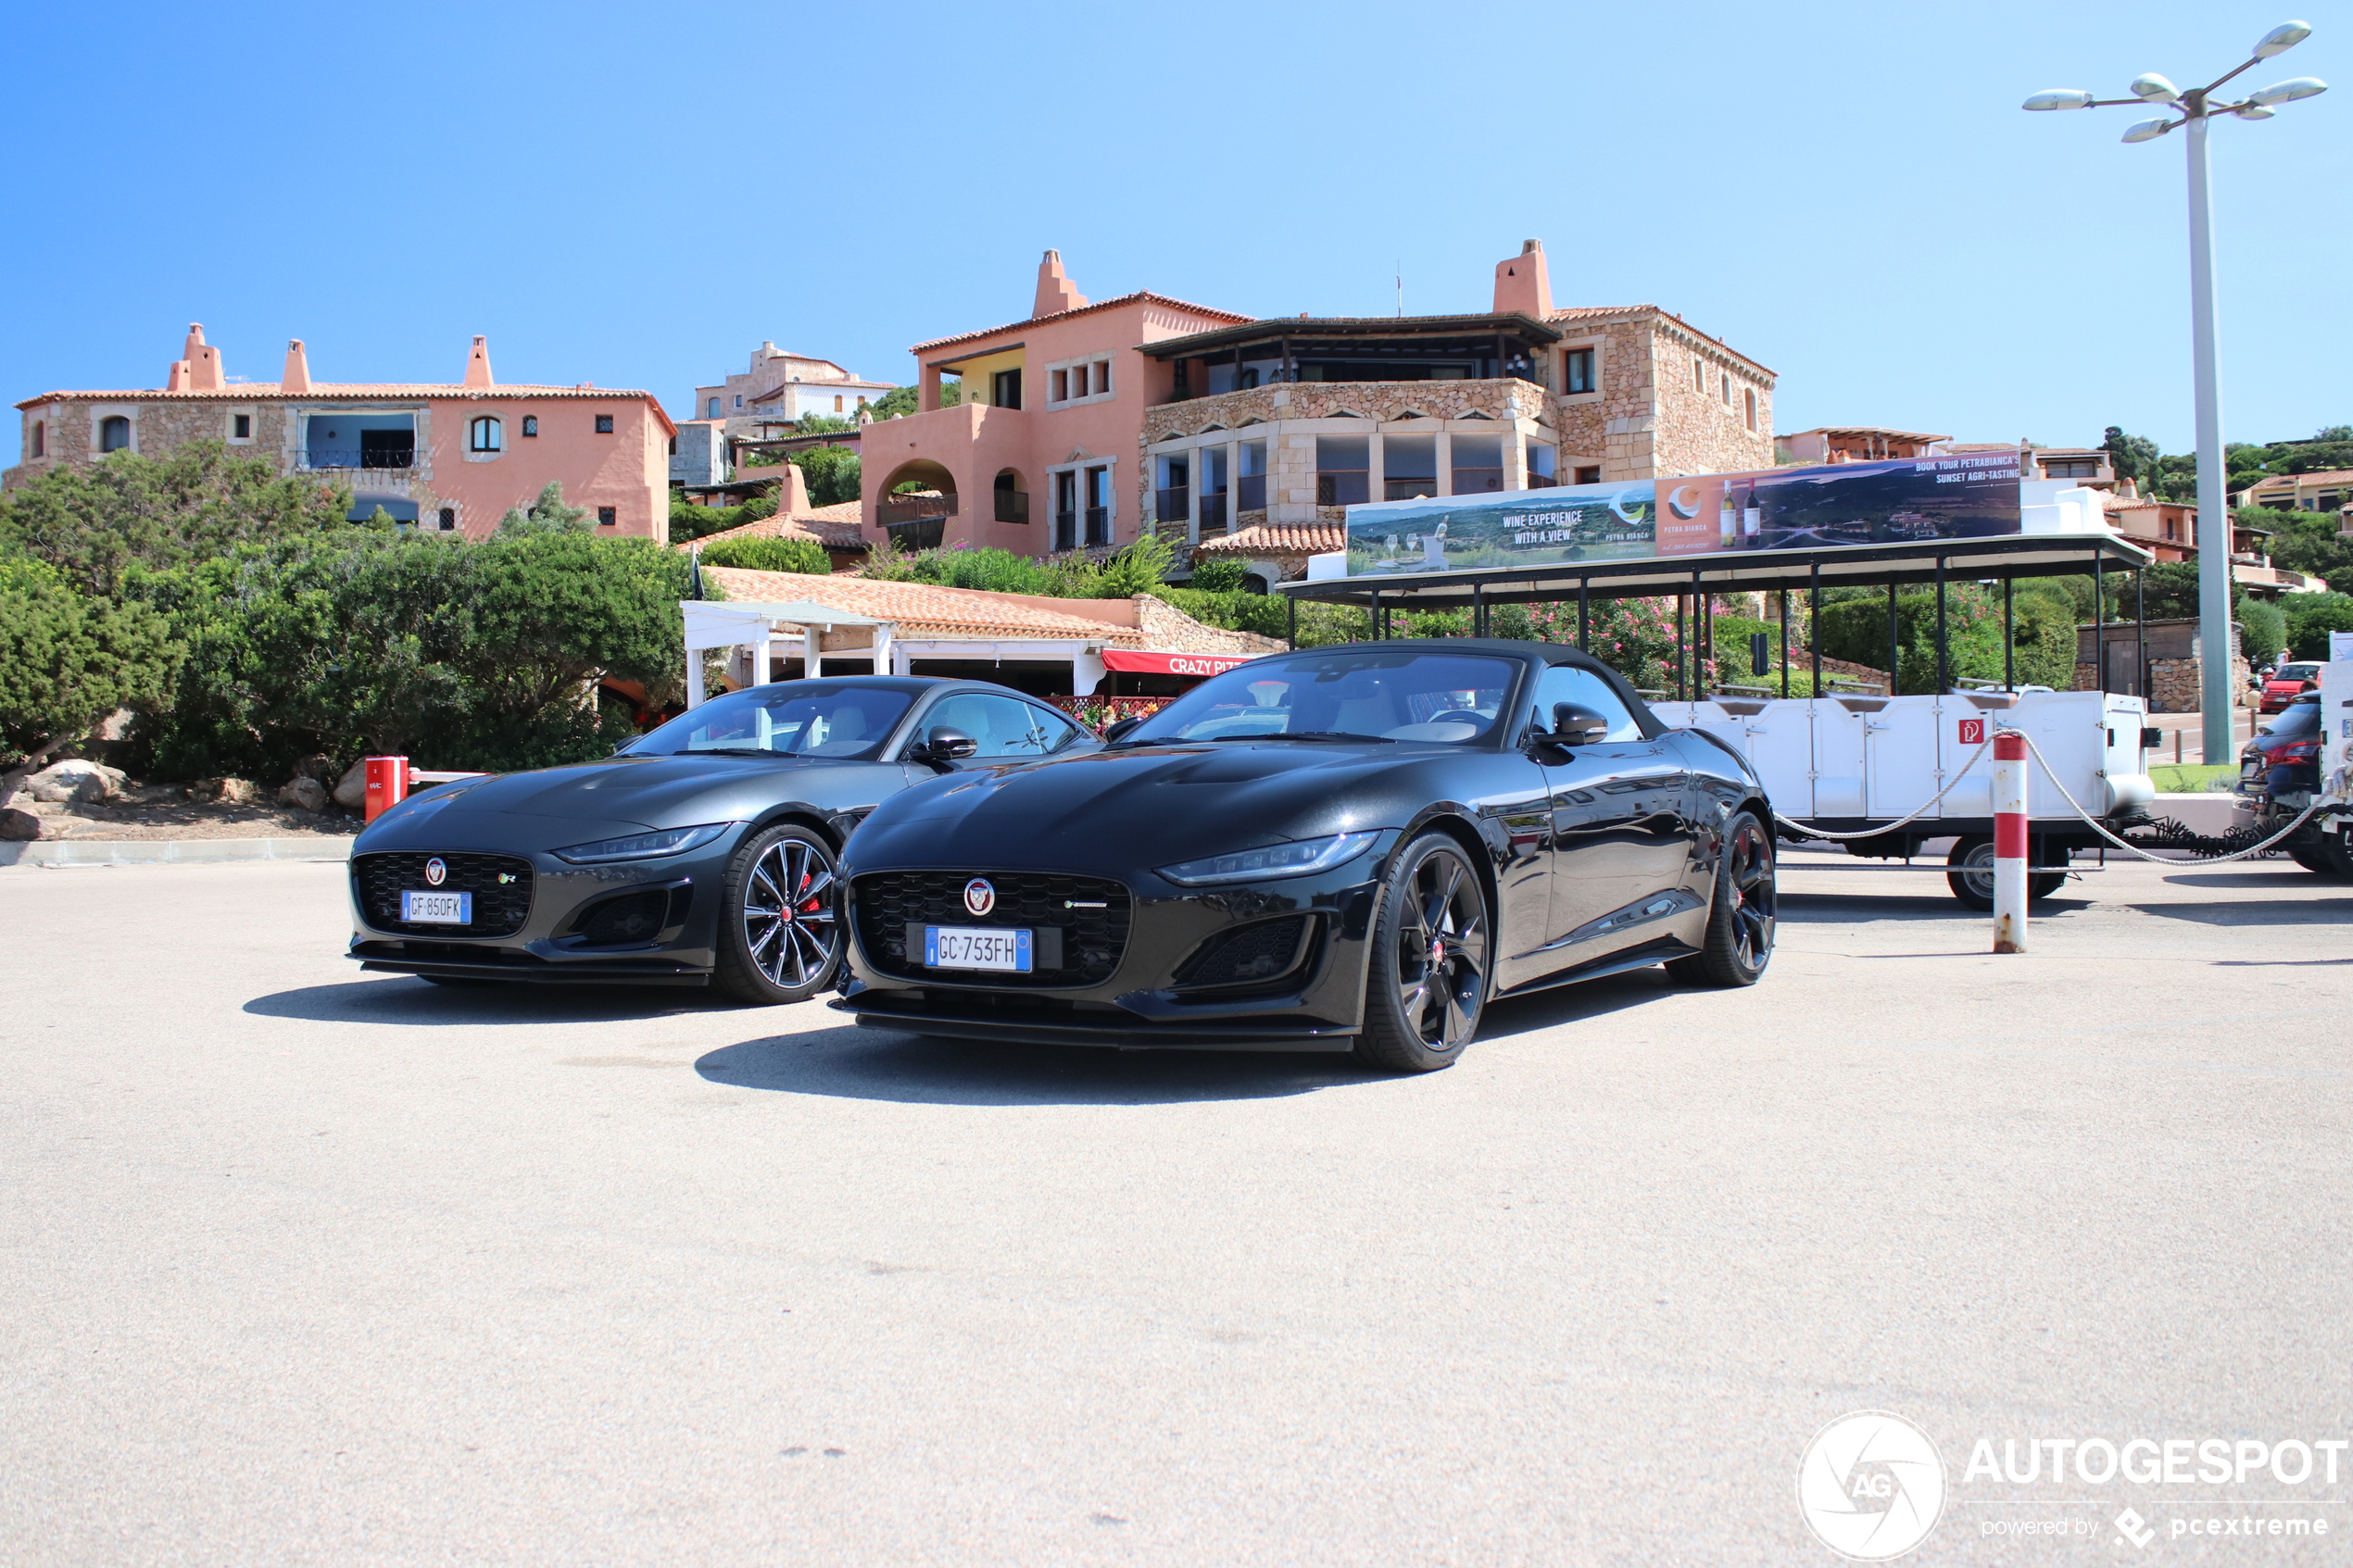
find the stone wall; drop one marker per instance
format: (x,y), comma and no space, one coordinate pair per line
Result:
(1646,421)
(2176,685)
(1508,398)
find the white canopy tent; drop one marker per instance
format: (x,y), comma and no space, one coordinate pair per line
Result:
(755,627)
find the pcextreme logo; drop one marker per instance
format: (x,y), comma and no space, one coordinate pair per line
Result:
(1871,1486)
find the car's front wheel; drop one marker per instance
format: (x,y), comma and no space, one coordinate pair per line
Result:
(1740,917)
(780,930)
(1427,982)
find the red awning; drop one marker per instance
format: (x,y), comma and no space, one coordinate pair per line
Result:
(1173,663)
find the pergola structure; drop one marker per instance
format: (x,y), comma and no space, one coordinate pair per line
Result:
(1692,579)
(751,629)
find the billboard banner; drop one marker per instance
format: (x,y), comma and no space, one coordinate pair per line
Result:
(1972,495)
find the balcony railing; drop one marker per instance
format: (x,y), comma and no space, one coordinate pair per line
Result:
(1065,531)
(352,458)
(1098,525)
(1251,493)
(1477,482)
(924,534)
(916,508)
(1406,489)
(1012,506)
(1212,512)
(1343,487)
(1171,503)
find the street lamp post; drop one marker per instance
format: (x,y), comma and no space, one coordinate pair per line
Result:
(2199,106)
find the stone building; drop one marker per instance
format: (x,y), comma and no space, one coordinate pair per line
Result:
(448,456)
(777,389)
(1280,424)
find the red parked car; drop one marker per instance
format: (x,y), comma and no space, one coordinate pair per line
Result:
(2283,685)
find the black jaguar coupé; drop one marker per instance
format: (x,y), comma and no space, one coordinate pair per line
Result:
(704,852)
(1346,849)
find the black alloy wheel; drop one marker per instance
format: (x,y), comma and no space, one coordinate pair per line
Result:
(1970,873)
(1427,982)
(780,932)
(1742,915)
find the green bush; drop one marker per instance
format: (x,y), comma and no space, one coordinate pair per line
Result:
(767,553)
(1219,574)
(2263,631)
(2312,617)
(2042,654)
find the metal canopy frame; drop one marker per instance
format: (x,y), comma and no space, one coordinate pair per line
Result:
(1937,561)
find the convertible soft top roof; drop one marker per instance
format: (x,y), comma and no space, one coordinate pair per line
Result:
(1544,653)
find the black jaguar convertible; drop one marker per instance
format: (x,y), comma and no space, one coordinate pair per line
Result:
(1346,849)
(703,852)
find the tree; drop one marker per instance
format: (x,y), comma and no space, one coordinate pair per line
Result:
(67,660)
(2312,617)
(1219,574)
(901,401)
(833,473)
(1139,569)
(771,554)
(96,523)
(2262,631)
(547,513)
(2333,433)
(2134,456)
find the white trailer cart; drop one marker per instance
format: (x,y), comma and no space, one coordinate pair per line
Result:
(1850,765)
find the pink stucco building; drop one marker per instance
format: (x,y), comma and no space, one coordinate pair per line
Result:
(451,456)
(1044,451)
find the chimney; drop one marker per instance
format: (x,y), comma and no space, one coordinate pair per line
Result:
(296,379)
(1522,284)
(204,361)
(178,380)
(478,363)
(1055,291)
(793,500)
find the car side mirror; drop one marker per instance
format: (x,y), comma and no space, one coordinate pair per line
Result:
(1121,729)
(1574,726)
(943,746)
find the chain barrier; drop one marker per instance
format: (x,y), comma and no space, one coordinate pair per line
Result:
(2167,833)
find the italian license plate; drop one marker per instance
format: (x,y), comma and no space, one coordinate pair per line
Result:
(976,947)
(437,909)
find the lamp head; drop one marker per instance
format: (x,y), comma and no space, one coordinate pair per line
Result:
(2149,129)
(2060,99)
(2280,39)
(2149,87)
(2254,111)
(2287,91)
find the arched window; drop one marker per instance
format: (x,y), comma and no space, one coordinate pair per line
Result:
(114,434)
(483,435)
(1750,396)
(531,424)
(712,411)
(39,438)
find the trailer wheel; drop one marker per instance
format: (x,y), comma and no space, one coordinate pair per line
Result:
(1972,876)
(2323,854)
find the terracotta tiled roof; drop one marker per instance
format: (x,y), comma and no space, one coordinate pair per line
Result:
(1594,312)
(2330,476)
(1277,539)
(923,609)
(1143,296)
(835,526)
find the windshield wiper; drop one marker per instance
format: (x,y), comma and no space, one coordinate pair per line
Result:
(1340,735)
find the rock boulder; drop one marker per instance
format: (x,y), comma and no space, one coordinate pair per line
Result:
(304,794)
(18,827)
(351,790)
(76,781)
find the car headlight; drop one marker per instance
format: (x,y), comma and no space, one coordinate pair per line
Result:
(1296,859)
(642,845)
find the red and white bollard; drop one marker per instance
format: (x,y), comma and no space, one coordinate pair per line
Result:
(387,784)
(2009,842)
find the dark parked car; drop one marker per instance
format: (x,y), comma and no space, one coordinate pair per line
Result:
(703,852)
(1347,847)
(2280,773)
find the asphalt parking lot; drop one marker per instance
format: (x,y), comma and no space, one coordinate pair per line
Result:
(303,1266)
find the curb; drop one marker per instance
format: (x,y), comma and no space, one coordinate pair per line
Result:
(56,853)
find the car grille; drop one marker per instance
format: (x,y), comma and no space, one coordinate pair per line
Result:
(499,907)
(1093,939)
(1242,957)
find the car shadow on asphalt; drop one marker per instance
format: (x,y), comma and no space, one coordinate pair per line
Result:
(1843,908)
(406,999)
(880,1064)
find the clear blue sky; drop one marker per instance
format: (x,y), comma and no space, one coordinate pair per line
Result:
(637,195)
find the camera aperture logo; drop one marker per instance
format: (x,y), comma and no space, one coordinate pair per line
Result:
(1871,1486)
